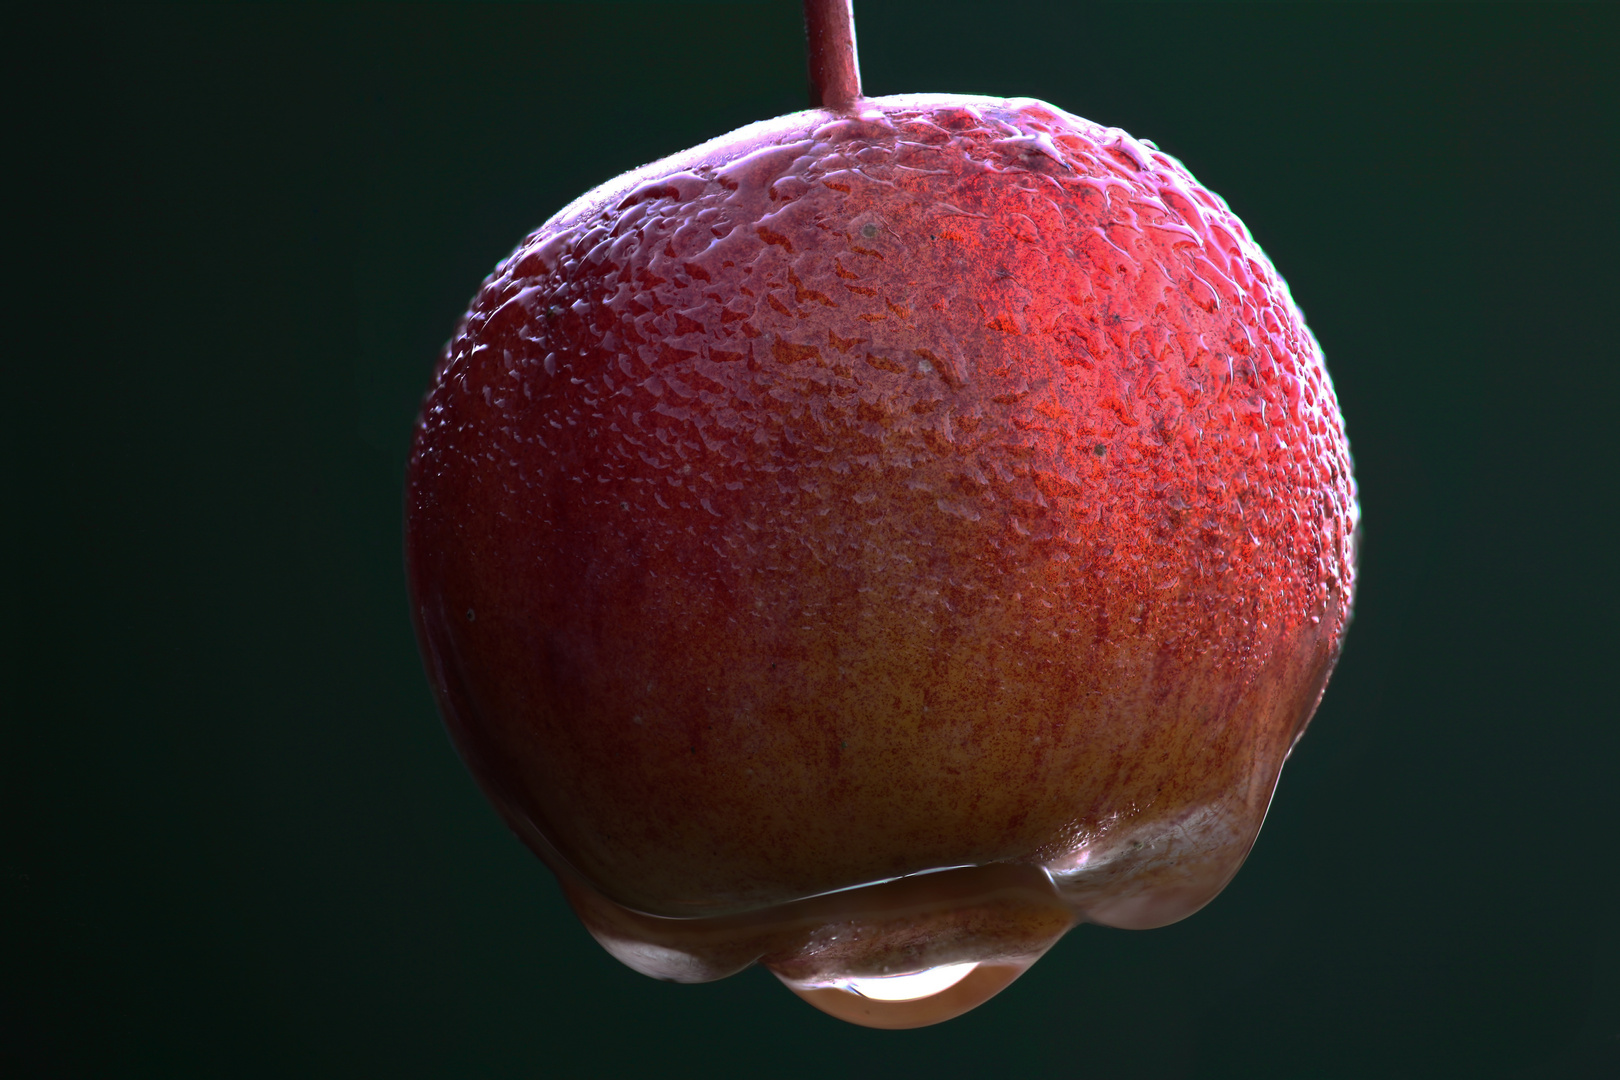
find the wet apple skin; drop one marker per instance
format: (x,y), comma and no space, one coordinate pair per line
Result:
(854,496)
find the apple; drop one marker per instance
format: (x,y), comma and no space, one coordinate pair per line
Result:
(873,541)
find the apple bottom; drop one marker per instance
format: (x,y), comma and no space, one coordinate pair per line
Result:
(1135,868)
(994,921)
(844,951)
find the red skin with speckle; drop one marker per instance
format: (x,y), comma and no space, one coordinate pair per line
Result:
(949,483)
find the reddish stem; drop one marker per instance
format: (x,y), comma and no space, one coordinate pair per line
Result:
(835,73)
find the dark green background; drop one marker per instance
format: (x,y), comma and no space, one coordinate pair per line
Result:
(235,839)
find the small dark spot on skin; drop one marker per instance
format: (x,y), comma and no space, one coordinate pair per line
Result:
(624,506)
(773,667)
(694,749)
(843,745)
(1099,449)
(469,614)
(869,230)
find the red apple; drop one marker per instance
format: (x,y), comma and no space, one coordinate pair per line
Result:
(879,538)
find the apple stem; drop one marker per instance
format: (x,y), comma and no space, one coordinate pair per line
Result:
(835,73)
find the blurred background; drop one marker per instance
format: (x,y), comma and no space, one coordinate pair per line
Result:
(234,839)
